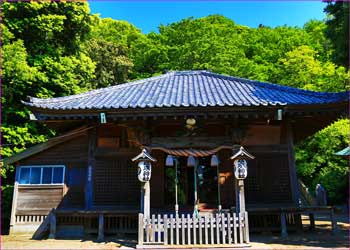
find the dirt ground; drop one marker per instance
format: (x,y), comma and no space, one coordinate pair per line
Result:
(319,239)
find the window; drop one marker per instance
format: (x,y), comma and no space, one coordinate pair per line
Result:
(41,175)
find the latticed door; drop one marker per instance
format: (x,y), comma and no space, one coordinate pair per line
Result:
(115,183)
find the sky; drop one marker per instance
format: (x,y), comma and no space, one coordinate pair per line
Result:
(148,15)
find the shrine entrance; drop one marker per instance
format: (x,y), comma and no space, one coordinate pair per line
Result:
(207,184)
(199,175)
(207,177)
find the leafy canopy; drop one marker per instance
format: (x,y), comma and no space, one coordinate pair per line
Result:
(316,162)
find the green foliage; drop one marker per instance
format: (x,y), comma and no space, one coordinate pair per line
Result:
(112,63)
(298,57)
(41,57)
(115,31)
(18,81)
(211,42)
(6,204)
(67,75)
(109,46)
(316,162)
(300,68)
(338,30)
(48,28)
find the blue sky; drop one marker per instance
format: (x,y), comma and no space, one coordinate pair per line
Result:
(148,15)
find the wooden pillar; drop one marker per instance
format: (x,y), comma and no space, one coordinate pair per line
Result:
(312,221)
(52,234)
(241,213)
(291,164)
(145,199)
(142,199)
(284,233)
(334,222)
(14,199)
(246,227)
(100,236)
(90,169)
(240,199)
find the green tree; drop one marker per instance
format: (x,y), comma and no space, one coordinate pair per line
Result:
(338,30)
(318,41)
(67,75)
(212,42)
(301,69)
(149,56)
(115,31)
(316,162)
(109,46)
(18,81)
(112,63)
(48,28)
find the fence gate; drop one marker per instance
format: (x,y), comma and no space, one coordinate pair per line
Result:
(218,229)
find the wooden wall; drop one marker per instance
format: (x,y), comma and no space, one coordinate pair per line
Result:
(72,154)
(262,135)
(38,200)
(158,180)
(268,179)
(115,182)
(226,179)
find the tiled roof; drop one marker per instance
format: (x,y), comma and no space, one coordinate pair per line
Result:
(188,89)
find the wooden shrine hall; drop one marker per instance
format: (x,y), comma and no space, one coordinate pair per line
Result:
(176,159)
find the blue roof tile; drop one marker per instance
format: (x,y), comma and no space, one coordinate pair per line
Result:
(188,89)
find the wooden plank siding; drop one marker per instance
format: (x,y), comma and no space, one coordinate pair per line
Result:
(35,199)
(71,154)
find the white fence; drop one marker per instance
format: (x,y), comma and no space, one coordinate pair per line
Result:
(223,228)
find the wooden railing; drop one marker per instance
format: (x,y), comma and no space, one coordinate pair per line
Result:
(306,196)
(224,228)
(30,219)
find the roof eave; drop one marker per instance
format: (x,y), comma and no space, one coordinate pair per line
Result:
(226,111)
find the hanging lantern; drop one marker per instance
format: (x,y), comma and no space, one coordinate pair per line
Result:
(240,169)
(214,161)
(240,164)
(144,165)
(169,161)
(144,171)
(191,161)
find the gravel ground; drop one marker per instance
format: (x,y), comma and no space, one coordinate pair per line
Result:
(319,239)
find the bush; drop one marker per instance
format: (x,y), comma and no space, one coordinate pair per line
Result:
(6,204)
(317,163)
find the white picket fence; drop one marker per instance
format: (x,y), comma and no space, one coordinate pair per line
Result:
(223,228)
